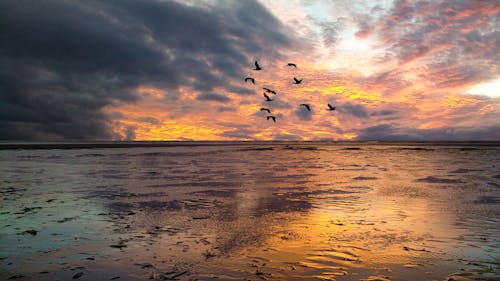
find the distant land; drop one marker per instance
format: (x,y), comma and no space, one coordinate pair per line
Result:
(125,144)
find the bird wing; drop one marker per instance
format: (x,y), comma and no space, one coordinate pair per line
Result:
(267,97)
(257,64)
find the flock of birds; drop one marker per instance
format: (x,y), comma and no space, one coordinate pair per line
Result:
(270,91)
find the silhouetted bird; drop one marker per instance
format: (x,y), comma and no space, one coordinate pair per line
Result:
(331,107)
(250,79)
(266,109)
(267,97)
(307,106)
(269,91)
(257,66)
(292,64)
(297,81)
(271,117)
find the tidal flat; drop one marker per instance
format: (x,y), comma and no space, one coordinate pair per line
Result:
(251,211)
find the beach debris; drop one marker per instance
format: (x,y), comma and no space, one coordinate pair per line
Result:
(78,275)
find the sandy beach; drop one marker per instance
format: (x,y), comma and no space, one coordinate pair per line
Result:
(266,211)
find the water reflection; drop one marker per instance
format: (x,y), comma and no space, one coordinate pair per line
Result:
(226,213)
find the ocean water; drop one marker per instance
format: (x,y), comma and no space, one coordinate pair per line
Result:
(251,211)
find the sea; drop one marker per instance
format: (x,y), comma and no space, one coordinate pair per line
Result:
(250,211)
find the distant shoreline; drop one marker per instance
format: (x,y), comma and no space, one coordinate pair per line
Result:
(136,144)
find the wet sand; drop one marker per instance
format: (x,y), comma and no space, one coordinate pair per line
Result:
(266,211)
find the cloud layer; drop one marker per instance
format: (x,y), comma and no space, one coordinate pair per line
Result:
(174,70)
(62,62)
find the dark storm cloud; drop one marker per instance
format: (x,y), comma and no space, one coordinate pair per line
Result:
(62,62)
(213,97)
(390,132)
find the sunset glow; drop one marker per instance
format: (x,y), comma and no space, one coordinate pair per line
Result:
(394,70)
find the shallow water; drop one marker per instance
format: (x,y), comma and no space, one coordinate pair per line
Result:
(267,211)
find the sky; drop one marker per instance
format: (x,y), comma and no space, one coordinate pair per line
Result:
(174,70)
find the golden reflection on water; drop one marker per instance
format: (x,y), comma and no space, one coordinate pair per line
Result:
(272,213)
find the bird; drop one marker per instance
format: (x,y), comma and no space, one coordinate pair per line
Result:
(271,117)
(269,91)
(267,97)
(250,79)
(297,81)
(266,109)
(257,66)
(331,108)
(307,106)
(292,64)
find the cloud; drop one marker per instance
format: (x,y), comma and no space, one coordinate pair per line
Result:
(239,133)
(63,62)
(226,109)
(384,112)
(213,97)
(149,120)
(130,133)
(303,113)
(357,110)
(391,132)
(448,36)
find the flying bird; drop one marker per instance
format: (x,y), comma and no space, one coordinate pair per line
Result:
(257,66)
(250,79)
(271,117)
(266,109)
(307,106)
(297,81)
(269,91)
(292,64)
(330,107)
(267,97)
